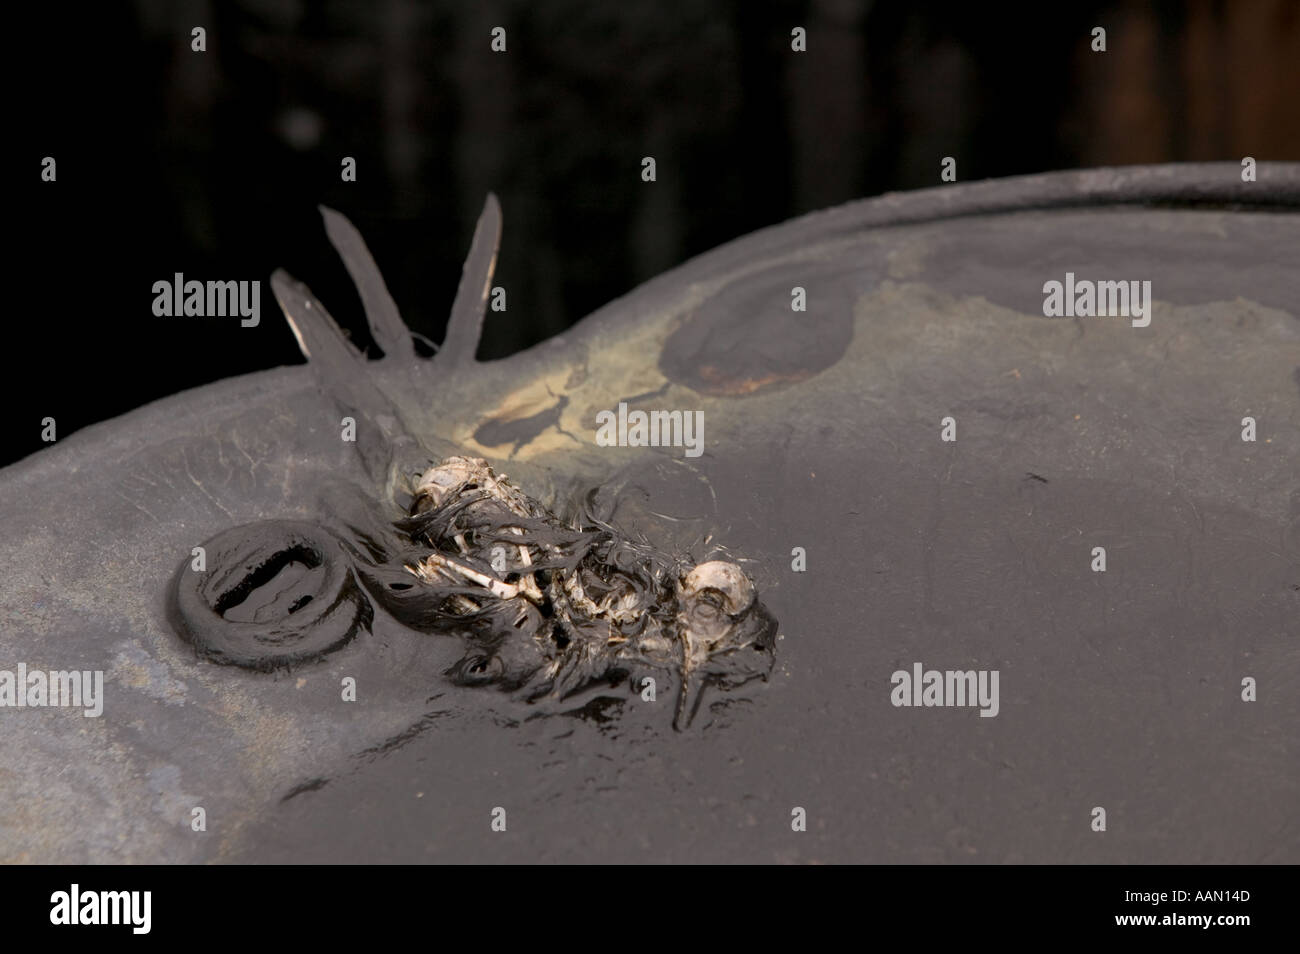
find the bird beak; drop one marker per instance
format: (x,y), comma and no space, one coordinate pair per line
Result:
(689,697)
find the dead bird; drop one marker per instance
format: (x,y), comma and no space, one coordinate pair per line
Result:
(550,607)
(549,604)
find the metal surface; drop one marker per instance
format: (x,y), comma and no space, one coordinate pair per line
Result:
(1118,689)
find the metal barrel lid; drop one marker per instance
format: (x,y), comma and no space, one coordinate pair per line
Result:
(1026,566)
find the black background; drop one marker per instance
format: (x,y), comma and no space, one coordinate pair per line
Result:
(212,164)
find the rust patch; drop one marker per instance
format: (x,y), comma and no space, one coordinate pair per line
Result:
(719,382)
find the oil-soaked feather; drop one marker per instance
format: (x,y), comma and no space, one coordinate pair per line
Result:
(386,325)
(381,437)
(466,322)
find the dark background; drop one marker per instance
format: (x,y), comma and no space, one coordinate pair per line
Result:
(212,164)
